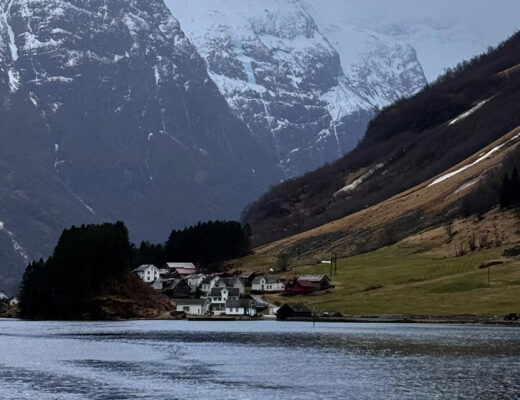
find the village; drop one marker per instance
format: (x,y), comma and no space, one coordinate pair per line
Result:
(222,296)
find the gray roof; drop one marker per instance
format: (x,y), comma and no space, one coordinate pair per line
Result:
(172,283)
(233,292)
(191,302)
(312,278)
(235,279)
(144,267)
(268,279)
(208,279)
(181,265)
(245,303)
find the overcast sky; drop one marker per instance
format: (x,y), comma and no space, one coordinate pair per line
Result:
(469,26)
(496,17)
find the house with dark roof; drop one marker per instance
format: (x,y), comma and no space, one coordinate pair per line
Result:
(293,310)
(219,296)
(317,281)
(147,273)
(193,306)
(176,288)
(240,307)
(231,282)
(248,277)
(208,283)
(265,283)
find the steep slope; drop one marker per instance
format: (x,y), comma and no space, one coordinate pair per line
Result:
(108,113)
(431,204)
(306,91)
(407,144)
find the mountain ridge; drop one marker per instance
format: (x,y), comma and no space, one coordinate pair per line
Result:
(407,144)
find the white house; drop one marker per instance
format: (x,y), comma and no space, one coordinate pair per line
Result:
(208,283)
(193,306)
(3,297)
(195,280)
(231,282)
(219,296)
(147,273)
(240,307)
(14,301)
(267,284)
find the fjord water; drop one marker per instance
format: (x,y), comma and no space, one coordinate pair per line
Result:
(256,360)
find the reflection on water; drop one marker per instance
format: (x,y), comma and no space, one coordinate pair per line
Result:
(256,360)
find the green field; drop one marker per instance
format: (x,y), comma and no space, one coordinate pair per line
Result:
(403,279)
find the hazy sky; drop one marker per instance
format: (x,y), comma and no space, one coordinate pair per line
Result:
(468,26)
(493,16)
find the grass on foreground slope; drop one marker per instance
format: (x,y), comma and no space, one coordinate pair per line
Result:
(403,279)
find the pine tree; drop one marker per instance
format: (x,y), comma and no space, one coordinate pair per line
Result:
(505,192)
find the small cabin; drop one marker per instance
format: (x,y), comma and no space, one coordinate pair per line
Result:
(292,310)
(319,282)
(176,288)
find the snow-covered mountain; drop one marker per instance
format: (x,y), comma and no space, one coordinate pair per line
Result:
(107,112)
(306,89)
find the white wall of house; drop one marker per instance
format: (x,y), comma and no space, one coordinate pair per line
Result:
(263,286)
(194,283)
(193,309)
(149,275)
(240,286)
(240,311)
(206,287)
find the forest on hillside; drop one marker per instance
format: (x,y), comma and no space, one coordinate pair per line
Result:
(89,257)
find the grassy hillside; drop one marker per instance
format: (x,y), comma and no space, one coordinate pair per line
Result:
(406,279)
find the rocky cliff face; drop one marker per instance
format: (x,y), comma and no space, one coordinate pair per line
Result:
(108,113)
(305,88)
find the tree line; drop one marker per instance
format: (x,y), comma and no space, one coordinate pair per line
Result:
(206,244)
(86,258)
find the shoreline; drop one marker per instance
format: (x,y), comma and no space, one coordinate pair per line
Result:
(356,319)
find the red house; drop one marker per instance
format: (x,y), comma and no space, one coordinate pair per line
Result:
(294,286)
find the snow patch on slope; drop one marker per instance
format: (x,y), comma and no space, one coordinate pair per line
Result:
(16,246)
(469,112)
(352,186)
(478,160)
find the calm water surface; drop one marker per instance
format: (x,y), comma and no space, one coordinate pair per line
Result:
(256,360)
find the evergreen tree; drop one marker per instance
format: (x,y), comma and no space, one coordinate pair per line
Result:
(505,192)
(84,259)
